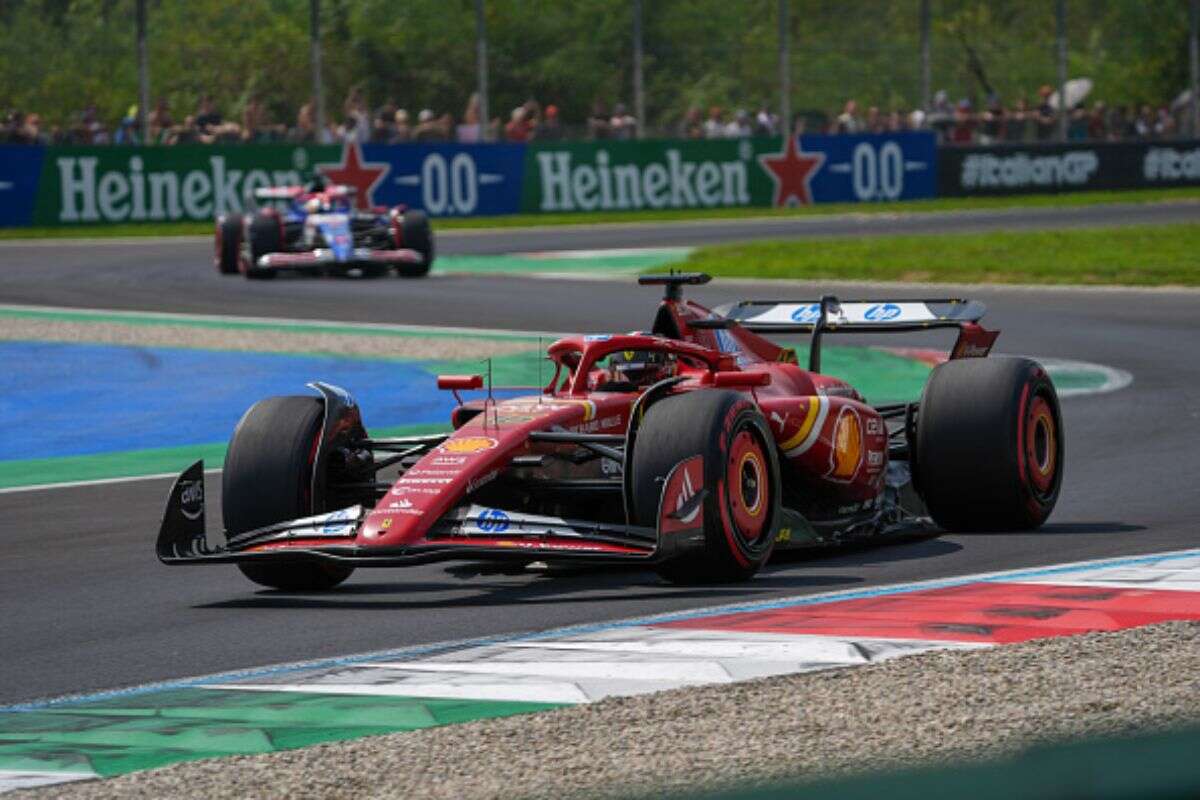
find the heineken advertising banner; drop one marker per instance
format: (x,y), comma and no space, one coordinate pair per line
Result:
(96,185)
(196,182)
(611,176)
(1037,168)
(92,185)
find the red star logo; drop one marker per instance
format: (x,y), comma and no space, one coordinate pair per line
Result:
(792,170)
(353,171)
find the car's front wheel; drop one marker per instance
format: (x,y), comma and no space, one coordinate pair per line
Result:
(268,479)
(228,249)
(741,505)
(266,237)
(416,234)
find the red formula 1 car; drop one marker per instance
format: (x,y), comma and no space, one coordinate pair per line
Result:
(698,448)
(316,229)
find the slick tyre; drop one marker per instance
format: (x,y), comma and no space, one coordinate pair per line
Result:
(989,445)
(417,235)
(228,251)
(268,478)
(741,508)
(266,236)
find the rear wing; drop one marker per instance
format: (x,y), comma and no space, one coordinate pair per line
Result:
(852,316)
(830,315)
(278,192)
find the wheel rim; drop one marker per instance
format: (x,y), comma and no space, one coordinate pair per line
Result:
(748,486)
(1041,446)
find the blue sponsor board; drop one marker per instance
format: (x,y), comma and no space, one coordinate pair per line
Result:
(20,169)
(451,180)
(869,167)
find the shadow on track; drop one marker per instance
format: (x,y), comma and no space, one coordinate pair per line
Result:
(499,585)
(1076,528)
(595,586)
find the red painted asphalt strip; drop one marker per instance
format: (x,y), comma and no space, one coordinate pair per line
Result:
(995,613)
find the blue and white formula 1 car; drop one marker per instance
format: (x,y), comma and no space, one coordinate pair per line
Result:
(316,229)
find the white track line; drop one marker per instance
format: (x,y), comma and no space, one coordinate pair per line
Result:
(285,322)
(158,476)
(12,779)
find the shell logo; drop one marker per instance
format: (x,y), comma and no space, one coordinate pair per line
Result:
(847,452)
(468,444)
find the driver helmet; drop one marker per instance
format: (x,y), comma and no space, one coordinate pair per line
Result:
(316,182)
(316,205)
(641,367)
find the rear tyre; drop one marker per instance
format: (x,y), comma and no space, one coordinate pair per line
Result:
(266,236)
(268,479)
(989,445)
(741,475)
(229,244)
(418,235)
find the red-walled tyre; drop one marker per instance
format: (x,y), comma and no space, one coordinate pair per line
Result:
(268,479)
(989,445)
(741,510)
(228,250)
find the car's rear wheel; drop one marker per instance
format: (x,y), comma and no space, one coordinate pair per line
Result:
(741,507)
(989,445)
(416,234)
(228,250)
(268,479)
(266,236)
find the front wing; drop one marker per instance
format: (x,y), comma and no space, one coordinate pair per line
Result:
(324,257)
(467,532)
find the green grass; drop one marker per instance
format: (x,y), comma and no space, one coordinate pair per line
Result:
(1145,255)
(1073,199)
(825,209)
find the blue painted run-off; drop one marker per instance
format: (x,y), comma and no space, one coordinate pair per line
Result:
(77,399)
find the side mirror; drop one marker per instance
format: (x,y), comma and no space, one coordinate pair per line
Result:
(459,383)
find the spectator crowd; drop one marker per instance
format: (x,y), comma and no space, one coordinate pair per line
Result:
(958,123)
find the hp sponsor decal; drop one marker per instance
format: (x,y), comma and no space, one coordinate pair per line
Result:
(493,520)
(807,314)
(335,523)
(882,312)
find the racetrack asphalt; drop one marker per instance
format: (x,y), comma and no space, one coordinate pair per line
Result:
(86,606)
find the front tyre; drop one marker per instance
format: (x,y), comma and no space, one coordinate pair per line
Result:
(741,508)
(266,237)
(228,250)
(989,445)
(416,234)
(268,479)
